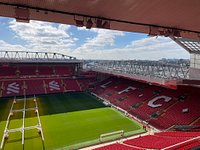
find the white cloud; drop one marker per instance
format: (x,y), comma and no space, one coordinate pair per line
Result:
(101,40)
(153,44)
(42,36)
(150,48)
(149,41)
(10,47)
(82,29)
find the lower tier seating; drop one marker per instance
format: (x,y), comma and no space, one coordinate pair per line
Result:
(34,87)
(153,104)
(54,85)
(195,145)
(167,140)
(117,146)
(20,87)
(72,85)
(155,142)
(12,88)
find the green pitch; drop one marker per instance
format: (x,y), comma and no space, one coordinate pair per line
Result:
(69,121)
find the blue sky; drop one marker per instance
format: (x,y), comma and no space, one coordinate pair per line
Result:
(83,43)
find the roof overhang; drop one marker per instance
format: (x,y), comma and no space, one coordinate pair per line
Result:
(191,45)
(178,18)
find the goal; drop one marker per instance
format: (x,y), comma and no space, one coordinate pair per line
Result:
(111,135)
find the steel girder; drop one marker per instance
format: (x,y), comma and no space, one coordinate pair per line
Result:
(165,69)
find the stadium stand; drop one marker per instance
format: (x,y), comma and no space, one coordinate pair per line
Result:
(155,105)
(145,110)
(25,78)
(85,83)
(161,140)
(12,88)
(72,85)
(27,70)
(32,86)
(157,142)
(197,122)
(64,70)
(53,85)
(191,106)
(195,145)
(1,88)
(137,102)
(8,71)
(35,86)
(118,146)
(35,70)
(44,70)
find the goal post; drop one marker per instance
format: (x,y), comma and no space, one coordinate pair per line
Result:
(118,134)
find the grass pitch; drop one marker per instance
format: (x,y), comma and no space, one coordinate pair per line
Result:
(69,121)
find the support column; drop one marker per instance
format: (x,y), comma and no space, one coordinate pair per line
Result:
(194,71)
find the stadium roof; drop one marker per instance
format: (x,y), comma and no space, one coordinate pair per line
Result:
(168,18)
(192,46)
(35,57)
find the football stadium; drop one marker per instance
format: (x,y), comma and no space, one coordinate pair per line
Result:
(52,101)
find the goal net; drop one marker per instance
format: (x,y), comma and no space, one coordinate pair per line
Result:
(111,135)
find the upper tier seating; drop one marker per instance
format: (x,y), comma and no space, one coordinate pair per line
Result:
(64,70)
(44,70)
(27,70)
(7,71)
(36,70)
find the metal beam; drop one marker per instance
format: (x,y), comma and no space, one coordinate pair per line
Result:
(165,70)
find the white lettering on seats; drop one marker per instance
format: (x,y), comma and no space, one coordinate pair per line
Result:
(165,98)
(53,85)
(104,85)
(13,88)
(127,89)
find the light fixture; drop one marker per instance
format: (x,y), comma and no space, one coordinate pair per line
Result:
(89,24)
(102,24)
(177,33)
(99,23)
(79,23)
(106,25)
(22,14)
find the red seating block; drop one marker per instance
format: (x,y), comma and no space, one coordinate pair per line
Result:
(117,146)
